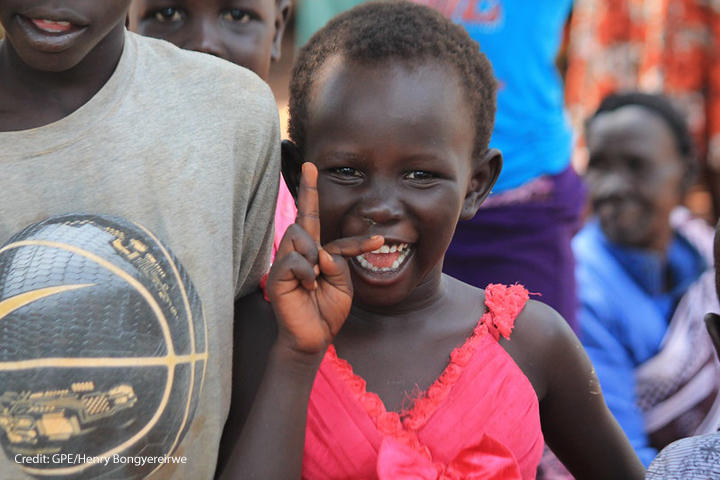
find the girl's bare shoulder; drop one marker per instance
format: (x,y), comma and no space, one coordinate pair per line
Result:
(541,341)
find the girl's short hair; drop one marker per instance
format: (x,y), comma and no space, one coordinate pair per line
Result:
(379,32)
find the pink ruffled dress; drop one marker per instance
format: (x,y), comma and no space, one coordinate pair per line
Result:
(479,420)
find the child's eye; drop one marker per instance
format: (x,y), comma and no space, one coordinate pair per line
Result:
(598,165)
(636,165)
(345,172)
(236,15)
(168,14)
(421,175)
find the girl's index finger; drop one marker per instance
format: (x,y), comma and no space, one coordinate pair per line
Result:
(308,216)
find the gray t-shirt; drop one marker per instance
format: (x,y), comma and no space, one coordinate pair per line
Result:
(186,145)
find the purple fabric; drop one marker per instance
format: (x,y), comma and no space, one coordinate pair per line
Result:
(525,240)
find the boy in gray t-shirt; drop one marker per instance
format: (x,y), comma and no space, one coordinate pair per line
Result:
(98,120)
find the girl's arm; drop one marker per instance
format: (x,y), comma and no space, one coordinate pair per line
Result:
(576,422)
(311,292)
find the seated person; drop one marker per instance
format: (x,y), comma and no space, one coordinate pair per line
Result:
(694,458)
(645,275)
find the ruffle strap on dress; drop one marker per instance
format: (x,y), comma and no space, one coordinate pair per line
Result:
(504,304)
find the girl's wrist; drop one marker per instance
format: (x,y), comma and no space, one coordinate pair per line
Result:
(296,362)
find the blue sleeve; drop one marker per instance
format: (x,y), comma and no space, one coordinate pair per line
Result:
(615,367)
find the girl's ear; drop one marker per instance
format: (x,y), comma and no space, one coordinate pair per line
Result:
(712,322)
(291,165)
(282,15)
(486,171)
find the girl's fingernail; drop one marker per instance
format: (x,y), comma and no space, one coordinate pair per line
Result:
(316,269)
(328,257)
(375,237)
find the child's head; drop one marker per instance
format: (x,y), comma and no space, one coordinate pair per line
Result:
(641,164)
(712,320)
(399,33)
(394,105)
(56,36)
(245,32)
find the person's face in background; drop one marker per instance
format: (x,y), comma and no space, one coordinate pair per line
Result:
(245,32)
(635,174)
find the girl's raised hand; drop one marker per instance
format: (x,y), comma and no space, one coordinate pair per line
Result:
(309,284)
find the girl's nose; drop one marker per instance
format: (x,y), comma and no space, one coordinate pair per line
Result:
(380,206)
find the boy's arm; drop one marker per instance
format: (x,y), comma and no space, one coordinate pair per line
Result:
(254,334)
(576,423)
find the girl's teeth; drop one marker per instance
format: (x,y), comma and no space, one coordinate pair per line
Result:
(391,249)
(402,248)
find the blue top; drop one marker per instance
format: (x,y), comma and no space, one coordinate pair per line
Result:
(522,38)
(626,306)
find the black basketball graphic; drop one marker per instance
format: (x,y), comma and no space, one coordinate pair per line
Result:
(103,348)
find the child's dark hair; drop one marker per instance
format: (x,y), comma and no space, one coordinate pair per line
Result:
(660,105)
(376,32)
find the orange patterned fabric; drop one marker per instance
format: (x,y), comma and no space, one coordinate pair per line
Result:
(668,46)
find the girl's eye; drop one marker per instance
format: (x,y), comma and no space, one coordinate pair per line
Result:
(421,175)
(168,14)
(236,15)
(345,172)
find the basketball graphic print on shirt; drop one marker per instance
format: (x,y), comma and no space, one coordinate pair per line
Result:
(103,348)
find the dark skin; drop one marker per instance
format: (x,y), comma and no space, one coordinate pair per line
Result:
(393,147)
(636,176)
(246,32)
(55,57)
(712,320)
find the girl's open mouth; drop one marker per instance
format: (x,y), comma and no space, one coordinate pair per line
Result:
(387,258)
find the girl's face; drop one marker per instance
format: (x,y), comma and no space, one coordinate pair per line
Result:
(58,35)
(393,147)
(635,175)
(245,32)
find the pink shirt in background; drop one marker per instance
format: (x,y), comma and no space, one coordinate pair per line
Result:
(284,215)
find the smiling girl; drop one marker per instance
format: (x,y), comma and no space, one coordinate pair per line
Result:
(379,365)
